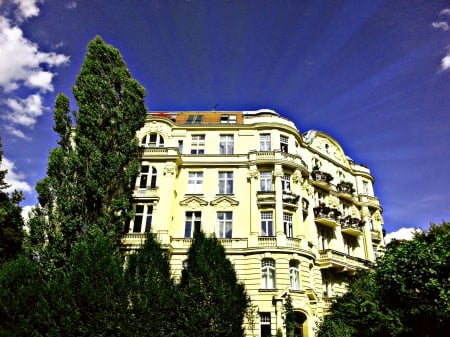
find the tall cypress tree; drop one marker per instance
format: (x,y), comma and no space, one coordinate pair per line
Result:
(90,176)
(215,301)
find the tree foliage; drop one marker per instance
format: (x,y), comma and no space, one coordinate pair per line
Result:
(215,300)
(90,176)
(11,221)
(406,295)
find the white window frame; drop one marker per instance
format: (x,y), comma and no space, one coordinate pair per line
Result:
(192,223)
(288,225)
(267,223)
(286,182)
(195,182)
(226,182)
(197,144)
(294,274)
(142,221)
(152,140)
(265,142)
(226,145)
(228,119)
(268,273)
(324,238)
(264,322)
(265,181)
(194,119)
(224,225)
(284,143)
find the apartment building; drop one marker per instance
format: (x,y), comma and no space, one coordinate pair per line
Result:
(294,213)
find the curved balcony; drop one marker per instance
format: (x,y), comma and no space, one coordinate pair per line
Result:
(290,200)
(327,216)
(345,190)
(265,198)
(321,179)
(351,226)
(329,258)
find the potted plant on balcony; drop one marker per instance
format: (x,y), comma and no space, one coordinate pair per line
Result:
(345,187)
(318,175)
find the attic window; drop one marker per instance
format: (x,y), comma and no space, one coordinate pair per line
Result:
(228,119)
(194,119)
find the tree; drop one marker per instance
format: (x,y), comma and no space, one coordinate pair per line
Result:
(91,174)
(407,294)
(215,303)
(154,299)
(11,221)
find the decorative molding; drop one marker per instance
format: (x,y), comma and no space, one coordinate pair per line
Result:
(224,202)
(193,202)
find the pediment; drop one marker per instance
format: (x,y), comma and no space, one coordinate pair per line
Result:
(224,202)
(193,202)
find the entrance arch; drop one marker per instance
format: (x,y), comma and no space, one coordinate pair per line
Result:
(301,325)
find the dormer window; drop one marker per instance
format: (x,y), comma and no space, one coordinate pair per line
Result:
(228,119)
(194,119)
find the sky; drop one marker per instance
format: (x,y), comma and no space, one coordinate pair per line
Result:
(373,74)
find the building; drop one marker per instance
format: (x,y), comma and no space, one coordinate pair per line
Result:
(294,213)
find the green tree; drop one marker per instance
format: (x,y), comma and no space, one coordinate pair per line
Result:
(215,303)
(154,299)
(407,294)
(11,221)
(91,174)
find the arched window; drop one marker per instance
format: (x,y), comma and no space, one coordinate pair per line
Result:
(268,274)
(152,140)
(294,274)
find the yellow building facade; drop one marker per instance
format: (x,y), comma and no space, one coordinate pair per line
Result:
(296,215)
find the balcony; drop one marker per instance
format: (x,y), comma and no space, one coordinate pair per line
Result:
(327,216)
(376,236)
(345,190)
(265,198)
(332,259)
(277,156)
(290,200)
(351,226)
(328,302)
(147,193)
(321,179)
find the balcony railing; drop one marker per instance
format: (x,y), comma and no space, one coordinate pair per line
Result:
(352,226)
(327,216)
(376,235)
(149,192)
(265,197)
(329,258)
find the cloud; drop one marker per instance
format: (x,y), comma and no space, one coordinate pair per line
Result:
(16,132)
(21,61)
(445,62)
(25,111)
(401,234)
(445,11)
(13,178)
(26,8)
(441,25)
(71,5)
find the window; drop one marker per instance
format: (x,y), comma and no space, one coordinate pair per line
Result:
(198,144)
(327,286)
(224,224)
(268,274)
(142,219)
(225,182)
(264,142)
(287,223)
(294,275)
(349,244)
(228,119)
(192,224)
(195,182)
(324,238)
(152,140)
(143,178)
(265,181)
(266,224)
(365,188)
(194,119)
(286,183)
(226,144)
(284,141)
(180,146)
(264,322)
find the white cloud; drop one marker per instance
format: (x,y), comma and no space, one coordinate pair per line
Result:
(13,178)
(445,11)
(401,234)
(21,60)
(25,111)
(27,8)
(26,211)
(445,62)
(71,5)
(441,25)
(16,132)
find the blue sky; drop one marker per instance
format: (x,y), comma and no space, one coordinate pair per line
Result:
(373,74)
